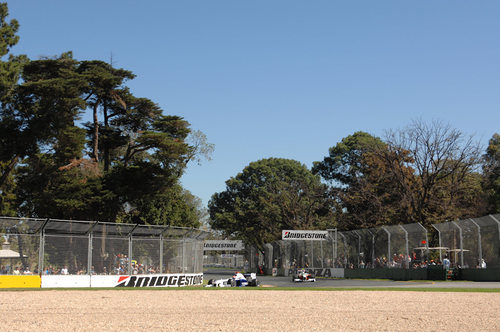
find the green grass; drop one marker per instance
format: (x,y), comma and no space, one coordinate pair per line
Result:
(295,289)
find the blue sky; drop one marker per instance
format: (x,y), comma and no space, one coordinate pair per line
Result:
(288,78)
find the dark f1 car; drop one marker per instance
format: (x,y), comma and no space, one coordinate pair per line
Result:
(301,275)
(238,280)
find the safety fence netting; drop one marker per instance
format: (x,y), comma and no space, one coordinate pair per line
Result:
(470,243)
(52,246)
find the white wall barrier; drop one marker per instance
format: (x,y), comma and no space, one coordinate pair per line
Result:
(65,281)
(109,281)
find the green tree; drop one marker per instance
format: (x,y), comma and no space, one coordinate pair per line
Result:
(345,161)
(361,183)
(10,69)
(104,84)
(133,156)
(491,171)
(268,196)
(46,102)
(173,207)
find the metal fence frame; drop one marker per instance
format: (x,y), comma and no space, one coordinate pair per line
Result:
(186,243)
(399,246)
(396,246)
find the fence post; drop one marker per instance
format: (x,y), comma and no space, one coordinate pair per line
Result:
(89,251)
(183,253)
(461,244)
(440,245)
(373,248)
(336,247)
(129,267)
(89,254)
(194,249)
(130,249)
(480,247)
(322,254)
(41,252)
(161,253)
(427,237)
(498,222)
(359,245)
(345,255)
(389,257)
(406,240)
(334,241)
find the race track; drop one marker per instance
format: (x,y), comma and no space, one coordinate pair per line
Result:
(270,281)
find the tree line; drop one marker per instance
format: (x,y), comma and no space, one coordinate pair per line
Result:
(426,173)
(124,165)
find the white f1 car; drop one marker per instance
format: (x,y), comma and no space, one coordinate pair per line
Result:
(301,275)
(238,280)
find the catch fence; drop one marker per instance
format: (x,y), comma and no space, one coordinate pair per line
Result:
(52,246)
(470,243)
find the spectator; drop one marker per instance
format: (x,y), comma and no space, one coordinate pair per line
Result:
(446,263)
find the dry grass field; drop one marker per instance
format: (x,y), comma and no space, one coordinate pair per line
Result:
(247,310)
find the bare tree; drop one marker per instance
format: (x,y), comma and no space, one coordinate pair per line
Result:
(443,160)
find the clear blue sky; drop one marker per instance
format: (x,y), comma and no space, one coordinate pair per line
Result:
(286,78)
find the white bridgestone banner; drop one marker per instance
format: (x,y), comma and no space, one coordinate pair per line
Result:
(223,245)
(142,280)
(304,235)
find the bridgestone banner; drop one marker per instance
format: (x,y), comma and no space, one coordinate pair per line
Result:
(168,280)
(304,235)
(223,245)
(142,280)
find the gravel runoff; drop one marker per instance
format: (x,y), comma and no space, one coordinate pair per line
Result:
(247,310)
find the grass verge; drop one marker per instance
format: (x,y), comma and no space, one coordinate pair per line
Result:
(295,289)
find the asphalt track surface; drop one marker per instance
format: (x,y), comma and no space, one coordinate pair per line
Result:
(270,281)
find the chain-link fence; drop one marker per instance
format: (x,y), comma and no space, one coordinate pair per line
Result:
(284,255)
(51,246)
(471,243)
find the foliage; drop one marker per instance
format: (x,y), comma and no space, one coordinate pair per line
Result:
(426,172)
(361,182)
(268,196)
(174,207)
(444,183)
(491,169)
(130,154)
(345,161)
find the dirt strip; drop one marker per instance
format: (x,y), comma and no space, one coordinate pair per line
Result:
(247,310)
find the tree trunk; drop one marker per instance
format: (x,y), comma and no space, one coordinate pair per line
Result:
(105,143)
(96,133)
